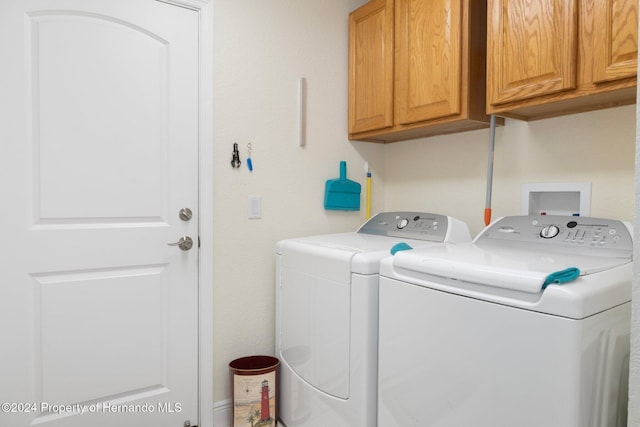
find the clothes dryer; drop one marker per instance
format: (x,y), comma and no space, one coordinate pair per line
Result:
(327,315)
(479,334)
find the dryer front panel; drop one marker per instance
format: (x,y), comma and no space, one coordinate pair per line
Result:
(315,328)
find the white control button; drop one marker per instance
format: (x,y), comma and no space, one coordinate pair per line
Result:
(403,223)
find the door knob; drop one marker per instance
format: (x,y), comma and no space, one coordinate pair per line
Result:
(185,243)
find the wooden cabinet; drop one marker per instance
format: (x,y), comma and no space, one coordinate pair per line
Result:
(552,57)
(416,68)
(371,67)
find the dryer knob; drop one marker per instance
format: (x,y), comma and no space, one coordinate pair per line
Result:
(403,223)
(549,232)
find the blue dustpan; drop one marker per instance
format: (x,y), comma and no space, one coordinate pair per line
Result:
(342,194)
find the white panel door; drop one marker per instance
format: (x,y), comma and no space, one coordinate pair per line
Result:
(98,153)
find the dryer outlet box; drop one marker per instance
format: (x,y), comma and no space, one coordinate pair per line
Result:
(573,198)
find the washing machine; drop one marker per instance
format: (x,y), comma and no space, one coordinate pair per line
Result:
(327,315)
(526,326)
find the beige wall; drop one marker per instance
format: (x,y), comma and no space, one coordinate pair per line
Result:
(634,368)
(448,173)
(261,49)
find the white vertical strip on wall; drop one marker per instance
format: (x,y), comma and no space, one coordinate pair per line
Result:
(302,111)
(634,357)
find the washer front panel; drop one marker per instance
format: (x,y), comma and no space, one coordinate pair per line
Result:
(448,360)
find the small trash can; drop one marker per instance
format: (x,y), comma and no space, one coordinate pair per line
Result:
(254,387)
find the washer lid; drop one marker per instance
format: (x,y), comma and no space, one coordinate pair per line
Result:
(520,269)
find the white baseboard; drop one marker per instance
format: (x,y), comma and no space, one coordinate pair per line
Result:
(222,413)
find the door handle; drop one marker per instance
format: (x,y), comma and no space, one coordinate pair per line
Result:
(185,243)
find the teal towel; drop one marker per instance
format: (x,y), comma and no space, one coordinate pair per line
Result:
(562,276)
(400,247)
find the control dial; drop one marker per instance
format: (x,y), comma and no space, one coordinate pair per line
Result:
(549,231)
(403,223)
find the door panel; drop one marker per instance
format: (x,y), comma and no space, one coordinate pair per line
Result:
(532,48)
(371,67)
(129,136)
(615,46)
(99,155)
(100,368)
(428,59)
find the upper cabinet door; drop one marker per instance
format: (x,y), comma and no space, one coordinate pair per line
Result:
(532,48)
(428,59)
(545,56)
(371,67)
(615,40)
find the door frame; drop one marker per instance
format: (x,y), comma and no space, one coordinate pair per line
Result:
(204,8)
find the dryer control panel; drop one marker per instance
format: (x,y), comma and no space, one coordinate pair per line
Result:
(408,225)
(595,235)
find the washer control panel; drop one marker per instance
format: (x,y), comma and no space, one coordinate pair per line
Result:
(562,232)
(408,225)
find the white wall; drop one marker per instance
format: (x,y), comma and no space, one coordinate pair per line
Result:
(634,365)
(448,173)
(261,49)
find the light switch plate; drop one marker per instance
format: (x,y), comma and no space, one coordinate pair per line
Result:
(255,207)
